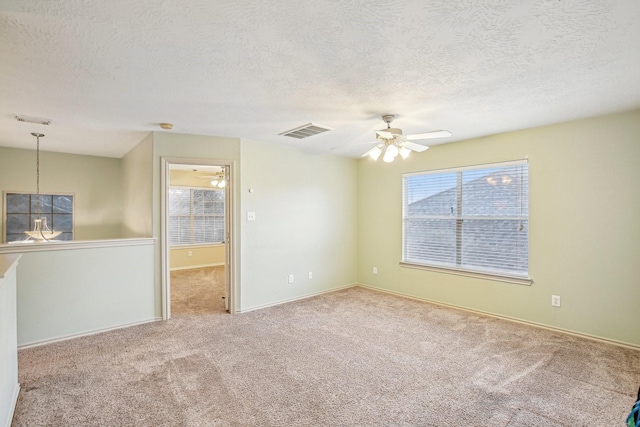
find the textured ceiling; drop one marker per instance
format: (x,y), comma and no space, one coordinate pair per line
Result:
(106,73)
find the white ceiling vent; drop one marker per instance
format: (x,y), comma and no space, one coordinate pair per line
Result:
(309,129)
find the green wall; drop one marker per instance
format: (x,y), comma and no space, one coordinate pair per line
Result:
(306,221)
(95,181)
(137,190)
(584,227)
(66,292)
(306,208)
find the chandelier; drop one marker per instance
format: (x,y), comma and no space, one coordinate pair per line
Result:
(41,231)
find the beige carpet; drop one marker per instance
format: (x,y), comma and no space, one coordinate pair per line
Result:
(197,291)
(350,358)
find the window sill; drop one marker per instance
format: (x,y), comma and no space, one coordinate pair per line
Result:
(196,246)
(526,281)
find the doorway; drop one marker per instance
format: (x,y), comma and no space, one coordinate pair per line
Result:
(196,238)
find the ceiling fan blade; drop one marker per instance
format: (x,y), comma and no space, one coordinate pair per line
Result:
(384,134)
(430,135)
(368,152)
(414,147)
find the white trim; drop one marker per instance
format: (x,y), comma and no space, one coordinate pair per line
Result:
(216,264)
(284,301)
(470,167)
(197,246)
(12,408)
(497,277)
(74,244)
(165,250)
(165,181)
(86,334)
(508,318)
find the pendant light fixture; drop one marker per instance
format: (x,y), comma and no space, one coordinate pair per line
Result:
(41,231)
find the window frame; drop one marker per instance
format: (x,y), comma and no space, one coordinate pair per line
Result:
(191,216)
(460,270)
(5,193)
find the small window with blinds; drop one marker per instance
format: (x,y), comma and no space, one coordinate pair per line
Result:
(196,216)
(473,219)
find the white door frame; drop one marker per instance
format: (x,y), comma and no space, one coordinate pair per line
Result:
(165,182)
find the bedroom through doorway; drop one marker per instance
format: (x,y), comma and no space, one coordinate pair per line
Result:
(196,235)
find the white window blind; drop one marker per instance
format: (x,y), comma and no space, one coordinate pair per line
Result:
(474,219)
(196,216)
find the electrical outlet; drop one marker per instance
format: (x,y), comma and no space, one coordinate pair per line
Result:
(291,278)
(251,216)
(555,300)
(311,275)
(375,270)
(190,253)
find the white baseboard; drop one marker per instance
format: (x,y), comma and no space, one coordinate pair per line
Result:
(197,266)
(12,408)
(284,301)
(84,334)
(511,319)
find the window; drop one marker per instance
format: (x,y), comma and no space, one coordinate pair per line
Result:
(20,211)
(472,219)
(196,216)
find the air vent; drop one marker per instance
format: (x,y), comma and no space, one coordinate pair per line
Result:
(309,129)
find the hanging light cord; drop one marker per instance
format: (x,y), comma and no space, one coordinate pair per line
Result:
(37,135)
(38,177)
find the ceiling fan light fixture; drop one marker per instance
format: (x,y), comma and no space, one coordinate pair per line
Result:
(394,143)
(214,182)
(390,153)
(404,152)
(222,184)
(375,152)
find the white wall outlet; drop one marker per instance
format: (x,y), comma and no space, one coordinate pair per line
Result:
(291,278)
(555,300)
(190,253)
(311,275)
(375,270)
(251,216)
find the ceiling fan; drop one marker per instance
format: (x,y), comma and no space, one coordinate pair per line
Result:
(217,179)
(392,142)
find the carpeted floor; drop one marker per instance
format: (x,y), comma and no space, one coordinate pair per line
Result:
(350,358)
(197,291)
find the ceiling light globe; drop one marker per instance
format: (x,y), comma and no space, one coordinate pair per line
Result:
(404,152)
(389,154)
(375,152)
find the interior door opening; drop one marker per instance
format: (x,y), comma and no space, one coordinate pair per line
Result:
(196,238)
